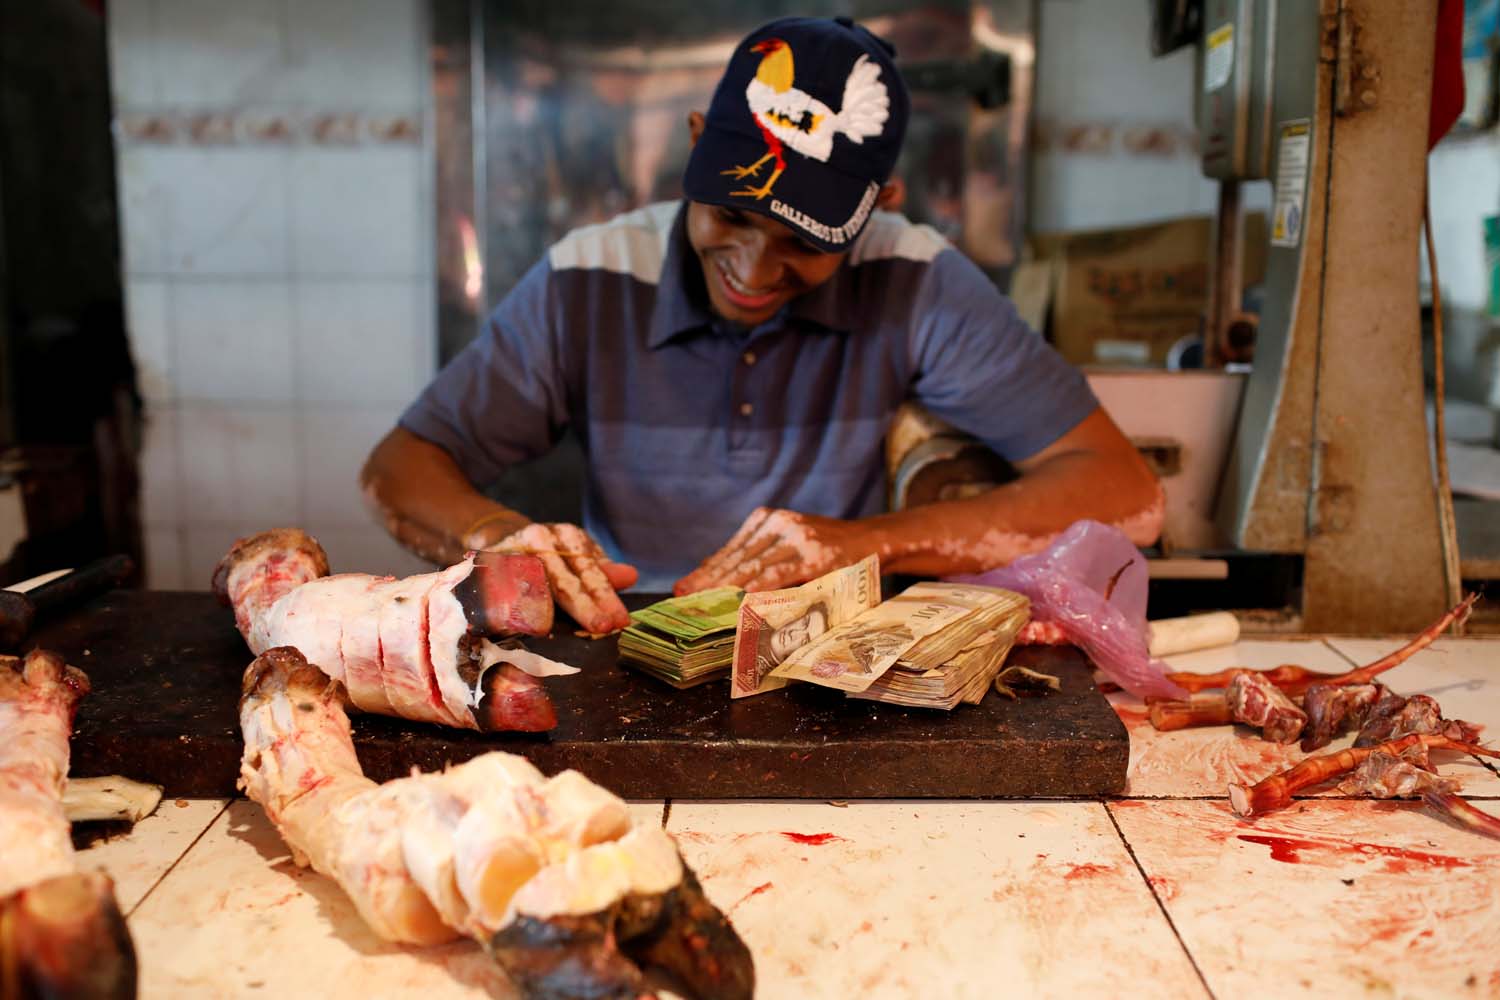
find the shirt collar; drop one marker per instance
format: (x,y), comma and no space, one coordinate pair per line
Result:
(682,300)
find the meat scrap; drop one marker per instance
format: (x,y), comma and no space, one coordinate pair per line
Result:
(61,932)
(1334,709)
(1257,702)
(550,874)
(1393,716)
(420,648)
(1277,790)
(1402,774)
(1294,680)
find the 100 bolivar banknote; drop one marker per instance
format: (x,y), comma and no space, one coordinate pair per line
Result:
(776,623)
(854,655)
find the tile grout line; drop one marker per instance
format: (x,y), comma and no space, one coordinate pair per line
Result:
(1192,960)
(1327,644)
(185,852)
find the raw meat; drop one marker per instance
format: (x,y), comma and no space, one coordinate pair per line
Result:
(61,932)
(419,647)
(1257,702)
(549,873)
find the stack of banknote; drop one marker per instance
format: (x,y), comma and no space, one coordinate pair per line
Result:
(684,640)
(964,679)
(934,644)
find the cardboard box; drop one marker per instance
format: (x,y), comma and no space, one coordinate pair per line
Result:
(1125,296)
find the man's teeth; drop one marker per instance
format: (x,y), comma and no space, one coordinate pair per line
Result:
(743,289)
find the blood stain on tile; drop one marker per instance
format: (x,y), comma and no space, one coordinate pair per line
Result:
(1166,888)
(753,892)
(1087,870)
(1289,850)
(814,839)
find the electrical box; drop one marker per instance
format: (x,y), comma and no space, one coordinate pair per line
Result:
(1236,64)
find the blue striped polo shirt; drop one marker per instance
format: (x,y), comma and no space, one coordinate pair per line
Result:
(689,423)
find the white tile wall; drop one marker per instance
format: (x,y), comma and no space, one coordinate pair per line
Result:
(241,464)
(132,68)
(164,560)
(367,549)
(334,230)
(336,441)
(143,216)
(146,310)
(224,209)
(1094,64)
(356,52)
(212,53)
(280,293)
(233,341)
(363,342)
(161,479)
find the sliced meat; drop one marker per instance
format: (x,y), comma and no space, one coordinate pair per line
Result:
(1257,702)
(406,658)
(399,646)
(1333,709)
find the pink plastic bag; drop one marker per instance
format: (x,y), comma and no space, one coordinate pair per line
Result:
(1067,585)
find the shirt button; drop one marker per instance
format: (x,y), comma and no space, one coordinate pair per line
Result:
(749,357)
(746,409)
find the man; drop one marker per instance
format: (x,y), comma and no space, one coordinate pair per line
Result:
(736,360)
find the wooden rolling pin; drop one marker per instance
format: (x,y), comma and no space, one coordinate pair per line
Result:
(1184,635)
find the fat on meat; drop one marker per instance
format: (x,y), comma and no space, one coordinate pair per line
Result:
(38,698)
(418,647)
(551,874)
(61,930)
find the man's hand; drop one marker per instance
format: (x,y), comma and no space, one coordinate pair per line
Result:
(778,548)
(582,577)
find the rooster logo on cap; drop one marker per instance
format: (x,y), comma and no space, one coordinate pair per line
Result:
(786,115)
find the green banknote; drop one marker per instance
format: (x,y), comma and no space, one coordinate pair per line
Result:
(694,616)
(684,640)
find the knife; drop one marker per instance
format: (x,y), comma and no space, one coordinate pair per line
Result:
(18,611)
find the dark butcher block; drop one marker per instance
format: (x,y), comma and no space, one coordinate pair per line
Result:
(166,672)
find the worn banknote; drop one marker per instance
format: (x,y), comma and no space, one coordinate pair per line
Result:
(684,640)
(776,623)
(941,616)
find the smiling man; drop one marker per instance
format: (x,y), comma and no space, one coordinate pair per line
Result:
(732,363)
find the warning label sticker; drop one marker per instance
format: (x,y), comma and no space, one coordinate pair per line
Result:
(1290,203)
(1218,58)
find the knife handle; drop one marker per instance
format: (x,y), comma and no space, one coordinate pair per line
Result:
(81,584)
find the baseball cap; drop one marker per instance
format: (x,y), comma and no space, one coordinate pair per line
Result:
(804,127)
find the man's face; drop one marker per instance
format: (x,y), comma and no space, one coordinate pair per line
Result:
(798,632)
(753,265)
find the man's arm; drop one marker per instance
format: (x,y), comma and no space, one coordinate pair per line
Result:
(1092,471)
(502,400)
(423,499)
(416,490)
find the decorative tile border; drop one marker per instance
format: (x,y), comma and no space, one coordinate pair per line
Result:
(1153,140)
(266,127)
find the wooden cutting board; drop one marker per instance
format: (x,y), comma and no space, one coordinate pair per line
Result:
(166,670)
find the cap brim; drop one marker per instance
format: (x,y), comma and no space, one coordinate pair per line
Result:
(824,206)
